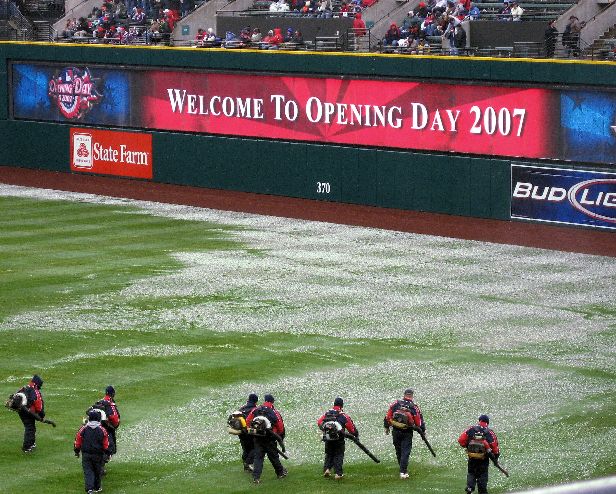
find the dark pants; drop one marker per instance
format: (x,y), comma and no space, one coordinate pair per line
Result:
(112,440)
(334,456)
(29,429)
(266,446)
(92,470)
(403,442)
(248,448)
(477,474)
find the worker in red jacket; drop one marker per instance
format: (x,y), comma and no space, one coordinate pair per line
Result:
(333,423)
(33,406)
(110,418)
(266,425)
(480,443)
(403,415)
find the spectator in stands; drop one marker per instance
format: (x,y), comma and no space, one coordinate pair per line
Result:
(516,12)
(246,36)
(70,28)
(505,12)
(186,7)
(268,36)
(200,37)
(153,34)
(256,36)
(211,35)
(359,26)
(344,9)
(461,9)
(550,36)
(308,8)
(571,37)
(231,40)
(298,38)
(276,40)
(474,13)
(423,47)
(279,6)
(119,9)
(324,9)
(134,35)
(450,34)
(392,36)
(422,10)
(439,8)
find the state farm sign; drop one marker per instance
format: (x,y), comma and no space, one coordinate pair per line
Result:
(107,152)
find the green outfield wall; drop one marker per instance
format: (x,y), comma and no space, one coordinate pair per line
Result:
(435,168)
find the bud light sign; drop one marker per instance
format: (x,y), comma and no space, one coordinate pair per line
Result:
(575,197)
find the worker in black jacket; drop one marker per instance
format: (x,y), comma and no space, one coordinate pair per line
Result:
(92,441)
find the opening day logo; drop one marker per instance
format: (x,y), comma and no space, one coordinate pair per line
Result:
(74,92)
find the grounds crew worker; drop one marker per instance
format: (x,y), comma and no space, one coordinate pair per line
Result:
(111,419)
(480,442)
(34,404)
(402,416)
(246,440)
(265,424)
(92,441)
(333,423)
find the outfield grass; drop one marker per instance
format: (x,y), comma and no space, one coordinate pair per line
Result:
(185,311)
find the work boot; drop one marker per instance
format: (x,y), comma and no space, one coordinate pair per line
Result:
(256,481)
(283,474)
(339,477)
(326,473)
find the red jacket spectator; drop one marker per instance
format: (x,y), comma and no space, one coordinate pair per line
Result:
(359,26)
(277,39)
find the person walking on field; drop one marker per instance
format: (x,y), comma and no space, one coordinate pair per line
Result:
(237,426)
(333,423)
(266,425)
(92,442)
(403,416)
(481,444)
(32,406)
(110,418)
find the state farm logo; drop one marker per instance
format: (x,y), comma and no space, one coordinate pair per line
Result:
(74,91)
(594,198)
(82,155)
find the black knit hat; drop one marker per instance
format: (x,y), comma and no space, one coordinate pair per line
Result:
(94,416)
(484,418)
(36,379)
(338,402)
(110,390)
(269,398)
(252,398)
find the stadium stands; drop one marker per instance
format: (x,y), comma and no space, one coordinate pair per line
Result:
(489,28)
